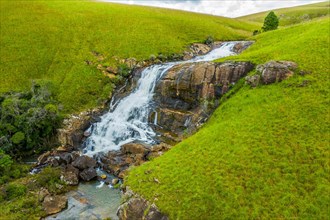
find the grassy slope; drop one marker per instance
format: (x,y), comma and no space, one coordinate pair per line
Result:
(293,15)
(50,41)
(264,154)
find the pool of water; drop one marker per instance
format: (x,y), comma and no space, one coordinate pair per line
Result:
(92,200)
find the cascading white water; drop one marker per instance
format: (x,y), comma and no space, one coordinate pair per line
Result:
(127,120)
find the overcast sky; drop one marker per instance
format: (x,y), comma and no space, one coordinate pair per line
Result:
(227,8)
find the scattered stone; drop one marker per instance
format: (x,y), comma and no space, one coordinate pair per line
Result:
(88,174)
(87,134)
(111,69)
(42,194)
(43,158)
(62,149)
(253,80)
(70,175)
(156,180)
(103,176)
(114,181)
(133,148)
(84,162)
(54,204)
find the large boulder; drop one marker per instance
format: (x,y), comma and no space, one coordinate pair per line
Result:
(72,132)
(84,162)
(54,204)
(276,71)
(272,72)
(137,208)
(133,148)
(88,174)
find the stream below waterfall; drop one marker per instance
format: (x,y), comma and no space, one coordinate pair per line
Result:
(126,121)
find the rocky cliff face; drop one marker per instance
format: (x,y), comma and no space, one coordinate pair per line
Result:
(188,93)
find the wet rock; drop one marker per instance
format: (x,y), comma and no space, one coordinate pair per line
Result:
(88,174)
(65,158)
(43,158)
(133,148)
(114,181)
(84,162)
(276,71)
(87,134)
(72,133)
(53,161)
(241,46)
(54,204)
(200,49)
(103,176)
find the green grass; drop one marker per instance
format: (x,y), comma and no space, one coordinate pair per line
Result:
(49,41)
(293,15)
(264,154)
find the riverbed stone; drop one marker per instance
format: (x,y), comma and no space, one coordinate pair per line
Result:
(84,162)
(133,148)
(88,174)
(54,204)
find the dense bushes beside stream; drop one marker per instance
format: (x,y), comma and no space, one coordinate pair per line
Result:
(28,121)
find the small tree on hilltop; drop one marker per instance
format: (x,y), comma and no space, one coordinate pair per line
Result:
(271,22)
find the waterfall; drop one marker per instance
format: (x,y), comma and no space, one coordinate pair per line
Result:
(127,120)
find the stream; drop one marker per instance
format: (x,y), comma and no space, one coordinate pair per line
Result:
(126,121)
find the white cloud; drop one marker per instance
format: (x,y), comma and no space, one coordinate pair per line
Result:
(227,8)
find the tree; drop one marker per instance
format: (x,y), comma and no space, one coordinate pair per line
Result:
(271,22)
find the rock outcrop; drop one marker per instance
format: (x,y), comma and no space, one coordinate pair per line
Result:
(137,208)
(54,204)
(272,72)
(73,130)
(188,93)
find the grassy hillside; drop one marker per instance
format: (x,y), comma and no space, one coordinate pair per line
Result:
(264,154)
(294,15)
(50,41)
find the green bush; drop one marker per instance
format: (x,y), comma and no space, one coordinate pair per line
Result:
(271,22)
(50,178)
(14,190)
(17,138)
(209,40)
(28,120)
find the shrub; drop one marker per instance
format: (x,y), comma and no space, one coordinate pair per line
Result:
(28,120)
(14,190)
(271,22)
(17,138)
(209,40)
(124,70)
